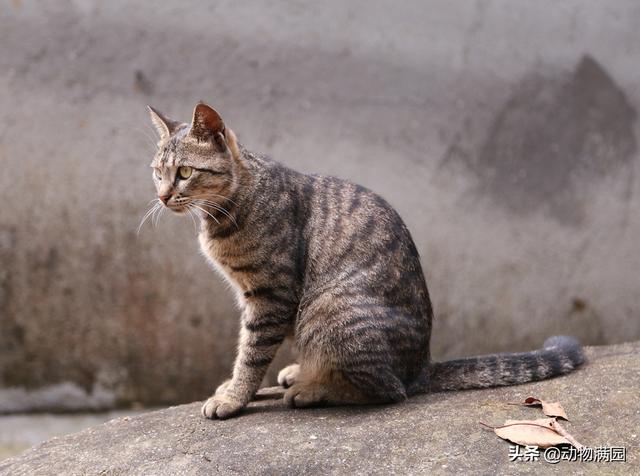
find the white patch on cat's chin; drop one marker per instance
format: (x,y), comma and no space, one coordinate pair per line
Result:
(207,248)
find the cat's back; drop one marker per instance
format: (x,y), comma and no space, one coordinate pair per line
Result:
(353,234)
(343,236)
(364,284)
(343,209)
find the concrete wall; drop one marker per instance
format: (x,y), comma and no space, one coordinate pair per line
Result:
(504,132)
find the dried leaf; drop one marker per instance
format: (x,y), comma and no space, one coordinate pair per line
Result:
(531,402)
(551,409)
(560,429)
(554,409)
(541,433)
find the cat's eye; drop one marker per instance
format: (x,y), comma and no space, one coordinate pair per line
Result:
(157,174)
(184,172)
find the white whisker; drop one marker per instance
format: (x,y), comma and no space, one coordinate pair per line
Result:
(213,195)
(208,203)
(205,211)
(149,212)
(223,197)
(156,216)
(191,212)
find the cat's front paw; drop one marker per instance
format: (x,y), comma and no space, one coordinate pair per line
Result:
(222,388)
(221,407)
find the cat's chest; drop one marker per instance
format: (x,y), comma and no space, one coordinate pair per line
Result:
(229,265)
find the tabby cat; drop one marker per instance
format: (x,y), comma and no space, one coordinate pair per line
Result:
(324,262)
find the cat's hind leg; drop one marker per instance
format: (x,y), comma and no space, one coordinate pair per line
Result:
(288,375)
(354,355)
(327,386)
(319,386)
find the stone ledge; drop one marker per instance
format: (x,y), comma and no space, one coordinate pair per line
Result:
(430,434)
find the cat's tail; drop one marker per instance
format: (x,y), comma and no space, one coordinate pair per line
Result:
(559,355)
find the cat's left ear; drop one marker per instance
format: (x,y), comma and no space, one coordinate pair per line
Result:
(165,126)
(206,123)
(207,126)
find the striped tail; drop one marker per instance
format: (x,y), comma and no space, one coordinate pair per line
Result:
(559,355)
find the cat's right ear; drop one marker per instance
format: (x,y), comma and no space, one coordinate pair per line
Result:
(165,126)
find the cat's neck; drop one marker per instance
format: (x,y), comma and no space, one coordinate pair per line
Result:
(230,217)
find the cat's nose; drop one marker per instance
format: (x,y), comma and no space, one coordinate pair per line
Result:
(165,197)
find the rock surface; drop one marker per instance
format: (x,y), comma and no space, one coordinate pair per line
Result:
(430,434)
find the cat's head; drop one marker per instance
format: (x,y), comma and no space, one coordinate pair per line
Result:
(196,165)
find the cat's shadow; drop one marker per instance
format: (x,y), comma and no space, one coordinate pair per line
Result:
(273,404)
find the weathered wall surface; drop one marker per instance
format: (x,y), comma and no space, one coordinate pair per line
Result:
(505,134)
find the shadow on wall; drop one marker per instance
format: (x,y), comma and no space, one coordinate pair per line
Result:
(554,136)
(559,141)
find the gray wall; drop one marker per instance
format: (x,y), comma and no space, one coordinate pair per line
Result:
(504,132)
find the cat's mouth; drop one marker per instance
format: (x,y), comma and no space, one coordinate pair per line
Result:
(176,208)
(178,205)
